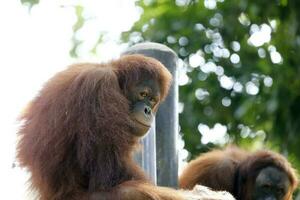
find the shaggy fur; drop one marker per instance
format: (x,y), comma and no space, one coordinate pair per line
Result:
(234,170)
(76,139)
(251,166)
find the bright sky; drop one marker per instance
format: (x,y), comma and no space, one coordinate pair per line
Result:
(35,46)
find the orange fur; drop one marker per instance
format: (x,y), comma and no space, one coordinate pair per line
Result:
(234,170)
(250,167)
(76,138)
(214,169)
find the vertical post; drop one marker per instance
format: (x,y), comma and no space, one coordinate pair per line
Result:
(166,118)
(147,157)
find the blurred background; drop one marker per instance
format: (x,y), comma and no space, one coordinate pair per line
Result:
(239,67)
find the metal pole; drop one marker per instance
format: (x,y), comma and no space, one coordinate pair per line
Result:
(146,157)
(149,154)
(166,118)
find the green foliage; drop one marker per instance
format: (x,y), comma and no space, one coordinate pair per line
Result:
(78,25)
(252,89)
(30,3)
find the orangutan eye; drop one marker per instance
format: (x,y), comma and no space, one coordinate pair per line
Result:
(266,186)
(143,94)
(153,100)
